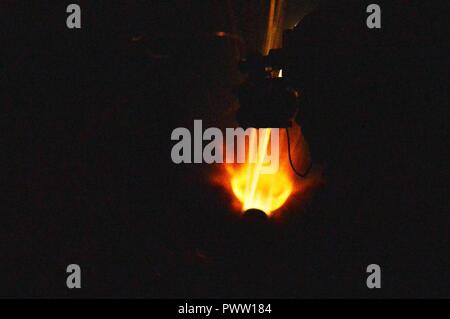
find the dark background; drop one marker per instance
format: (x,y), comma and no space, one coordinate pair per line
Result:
(87,176)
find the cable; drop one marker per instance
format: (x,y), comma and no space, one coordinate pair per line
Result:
(302,175)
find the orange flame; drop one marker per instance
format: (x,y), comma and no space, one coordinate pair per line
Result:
(267,192)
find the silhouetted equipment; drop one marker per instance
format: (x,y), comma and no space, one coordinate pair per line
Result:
(254,214)
(266,98)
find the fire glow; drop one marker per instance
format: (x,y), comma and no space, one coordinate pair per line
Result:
(254,189)
(265,192)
